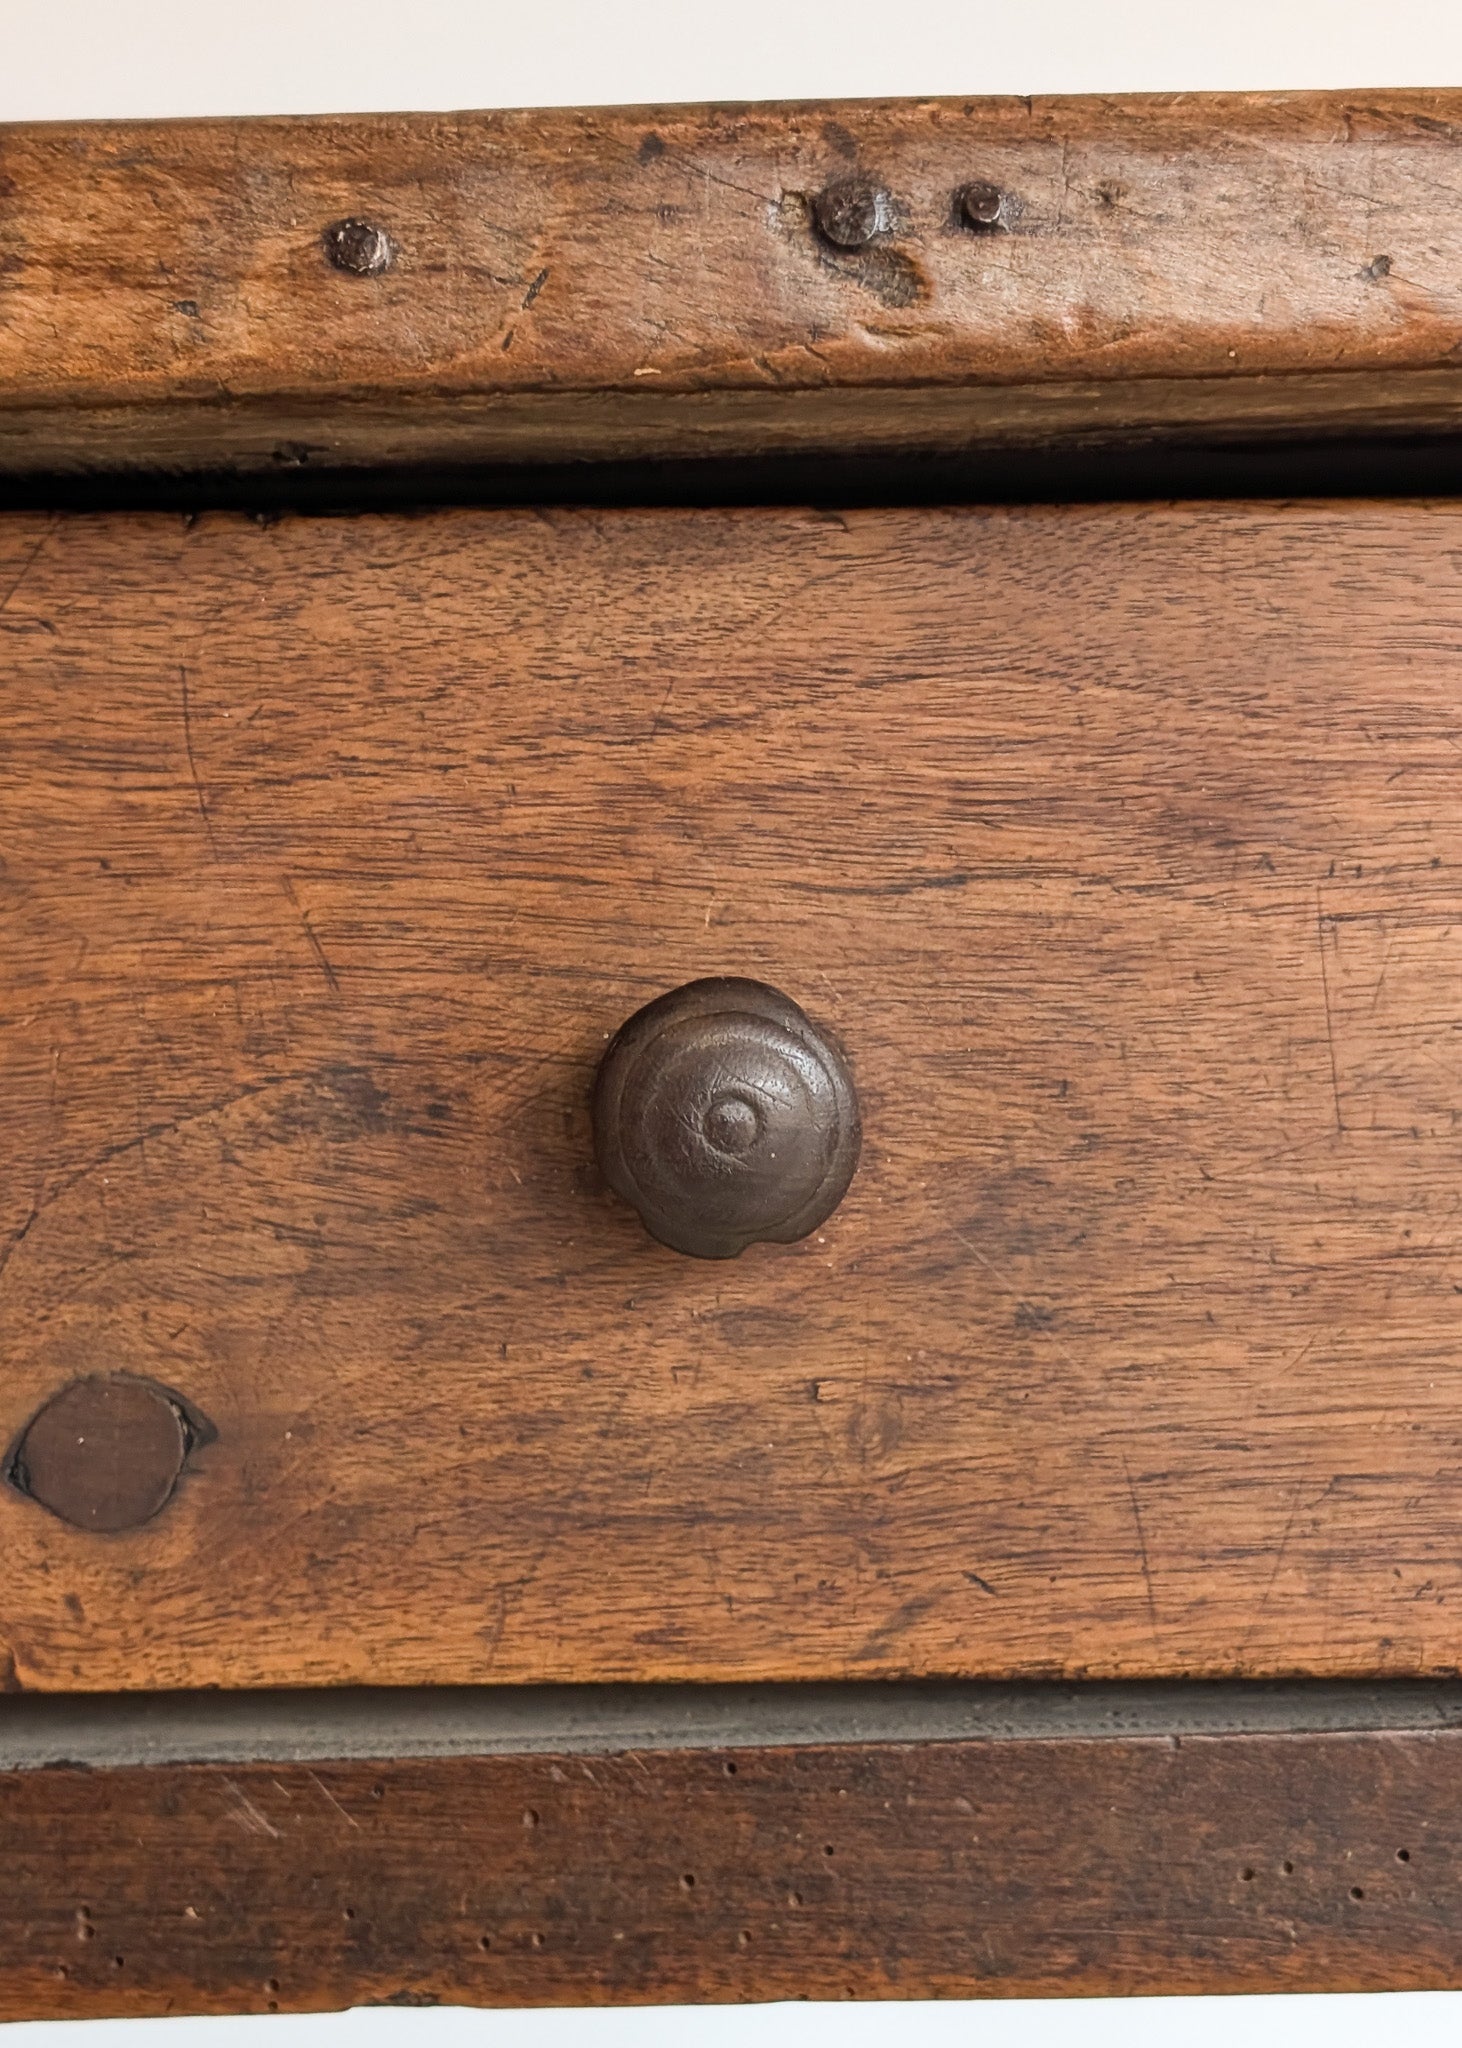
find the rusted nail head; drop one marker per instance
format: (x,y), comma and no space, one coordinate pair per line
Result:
(358,247)
(980,204)
(850,213)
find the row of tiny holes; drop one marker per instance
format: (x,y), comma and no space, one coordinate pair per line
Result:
(531,1819)
(1247,1874)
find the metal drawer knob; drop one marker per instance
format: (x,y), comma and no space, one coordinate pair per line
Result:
(726,1118)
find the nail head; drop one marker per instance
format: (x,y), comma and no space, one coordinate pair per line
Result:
(851,213)
(358,247)
(980,204)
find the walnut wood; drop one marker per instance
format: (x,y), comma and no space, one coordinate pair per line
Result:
(726,1118)
(1004,1869)
(1121,844)
(636,282)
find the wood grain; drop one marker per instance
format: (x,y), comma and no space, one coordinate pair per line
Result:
(1120,847)
(1004,1869)
(649,282)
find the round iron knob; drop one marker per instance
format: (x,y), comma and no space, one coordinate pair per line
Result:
(726,1118)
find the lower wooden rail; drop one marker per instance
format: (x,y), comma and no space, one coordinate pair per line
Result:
(968,1842)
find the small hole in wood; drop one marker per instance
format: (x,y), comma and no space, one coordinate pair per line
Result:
(729,1769)
(484,1942)
(537,1940)
(687,1882)
(1356,1892)
(1403,1855)
(350,1912)
(530,1817)
(119,1962)
(1288,1869)
(271,1984)
(743,1939)
(378,1791)
(794,1898)
(828,1849)
(1247,1874)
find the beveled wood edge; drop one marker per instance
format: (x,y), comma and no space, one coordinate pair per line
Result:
(1129,298)
(1059,1866)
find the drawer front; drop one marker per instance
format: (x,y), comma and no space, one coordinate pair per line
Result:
(1117,847)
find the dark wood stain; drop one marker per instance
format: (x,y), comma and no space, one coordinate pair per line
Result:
(1048,1868)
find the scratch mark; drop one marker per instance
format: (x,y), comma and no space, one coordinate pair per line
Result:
(534,289)
(326,1794)
(983,1584)
(193,765)
(512,1593)
(1329,1019)
(664,701)
(1278,1558)
(1010,1288)
(164,1129)
(1385,969)
(248,1815)
(309,930)
(30,561)
(1141,1545)
(903,1617)
(19,1237)
(694,167)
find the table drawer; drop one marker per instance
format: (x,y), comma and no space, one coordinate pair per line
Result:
(1116,847)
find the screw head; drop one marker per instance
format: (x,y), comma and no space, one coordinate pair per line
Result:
(359,247)
(980,204)
(851,212)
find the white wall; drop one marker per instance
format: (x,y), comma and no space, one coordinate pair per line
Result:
(84,59)
(73,59)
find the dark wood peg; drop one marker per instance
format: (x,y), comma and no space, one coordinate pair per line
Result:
(106,1454)
(726,1118)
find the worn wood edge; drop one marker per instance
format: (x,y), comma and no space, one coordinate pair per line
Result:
(283,437)
(123,1730)
(1120,307)
(1058,1867)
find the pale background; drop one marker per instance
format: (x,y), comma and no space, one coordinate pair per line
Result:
(85,59)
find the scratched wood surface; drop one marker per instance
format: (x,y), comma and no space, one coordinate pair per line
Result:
(1120,847)
(1221,1864)
(630,282)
